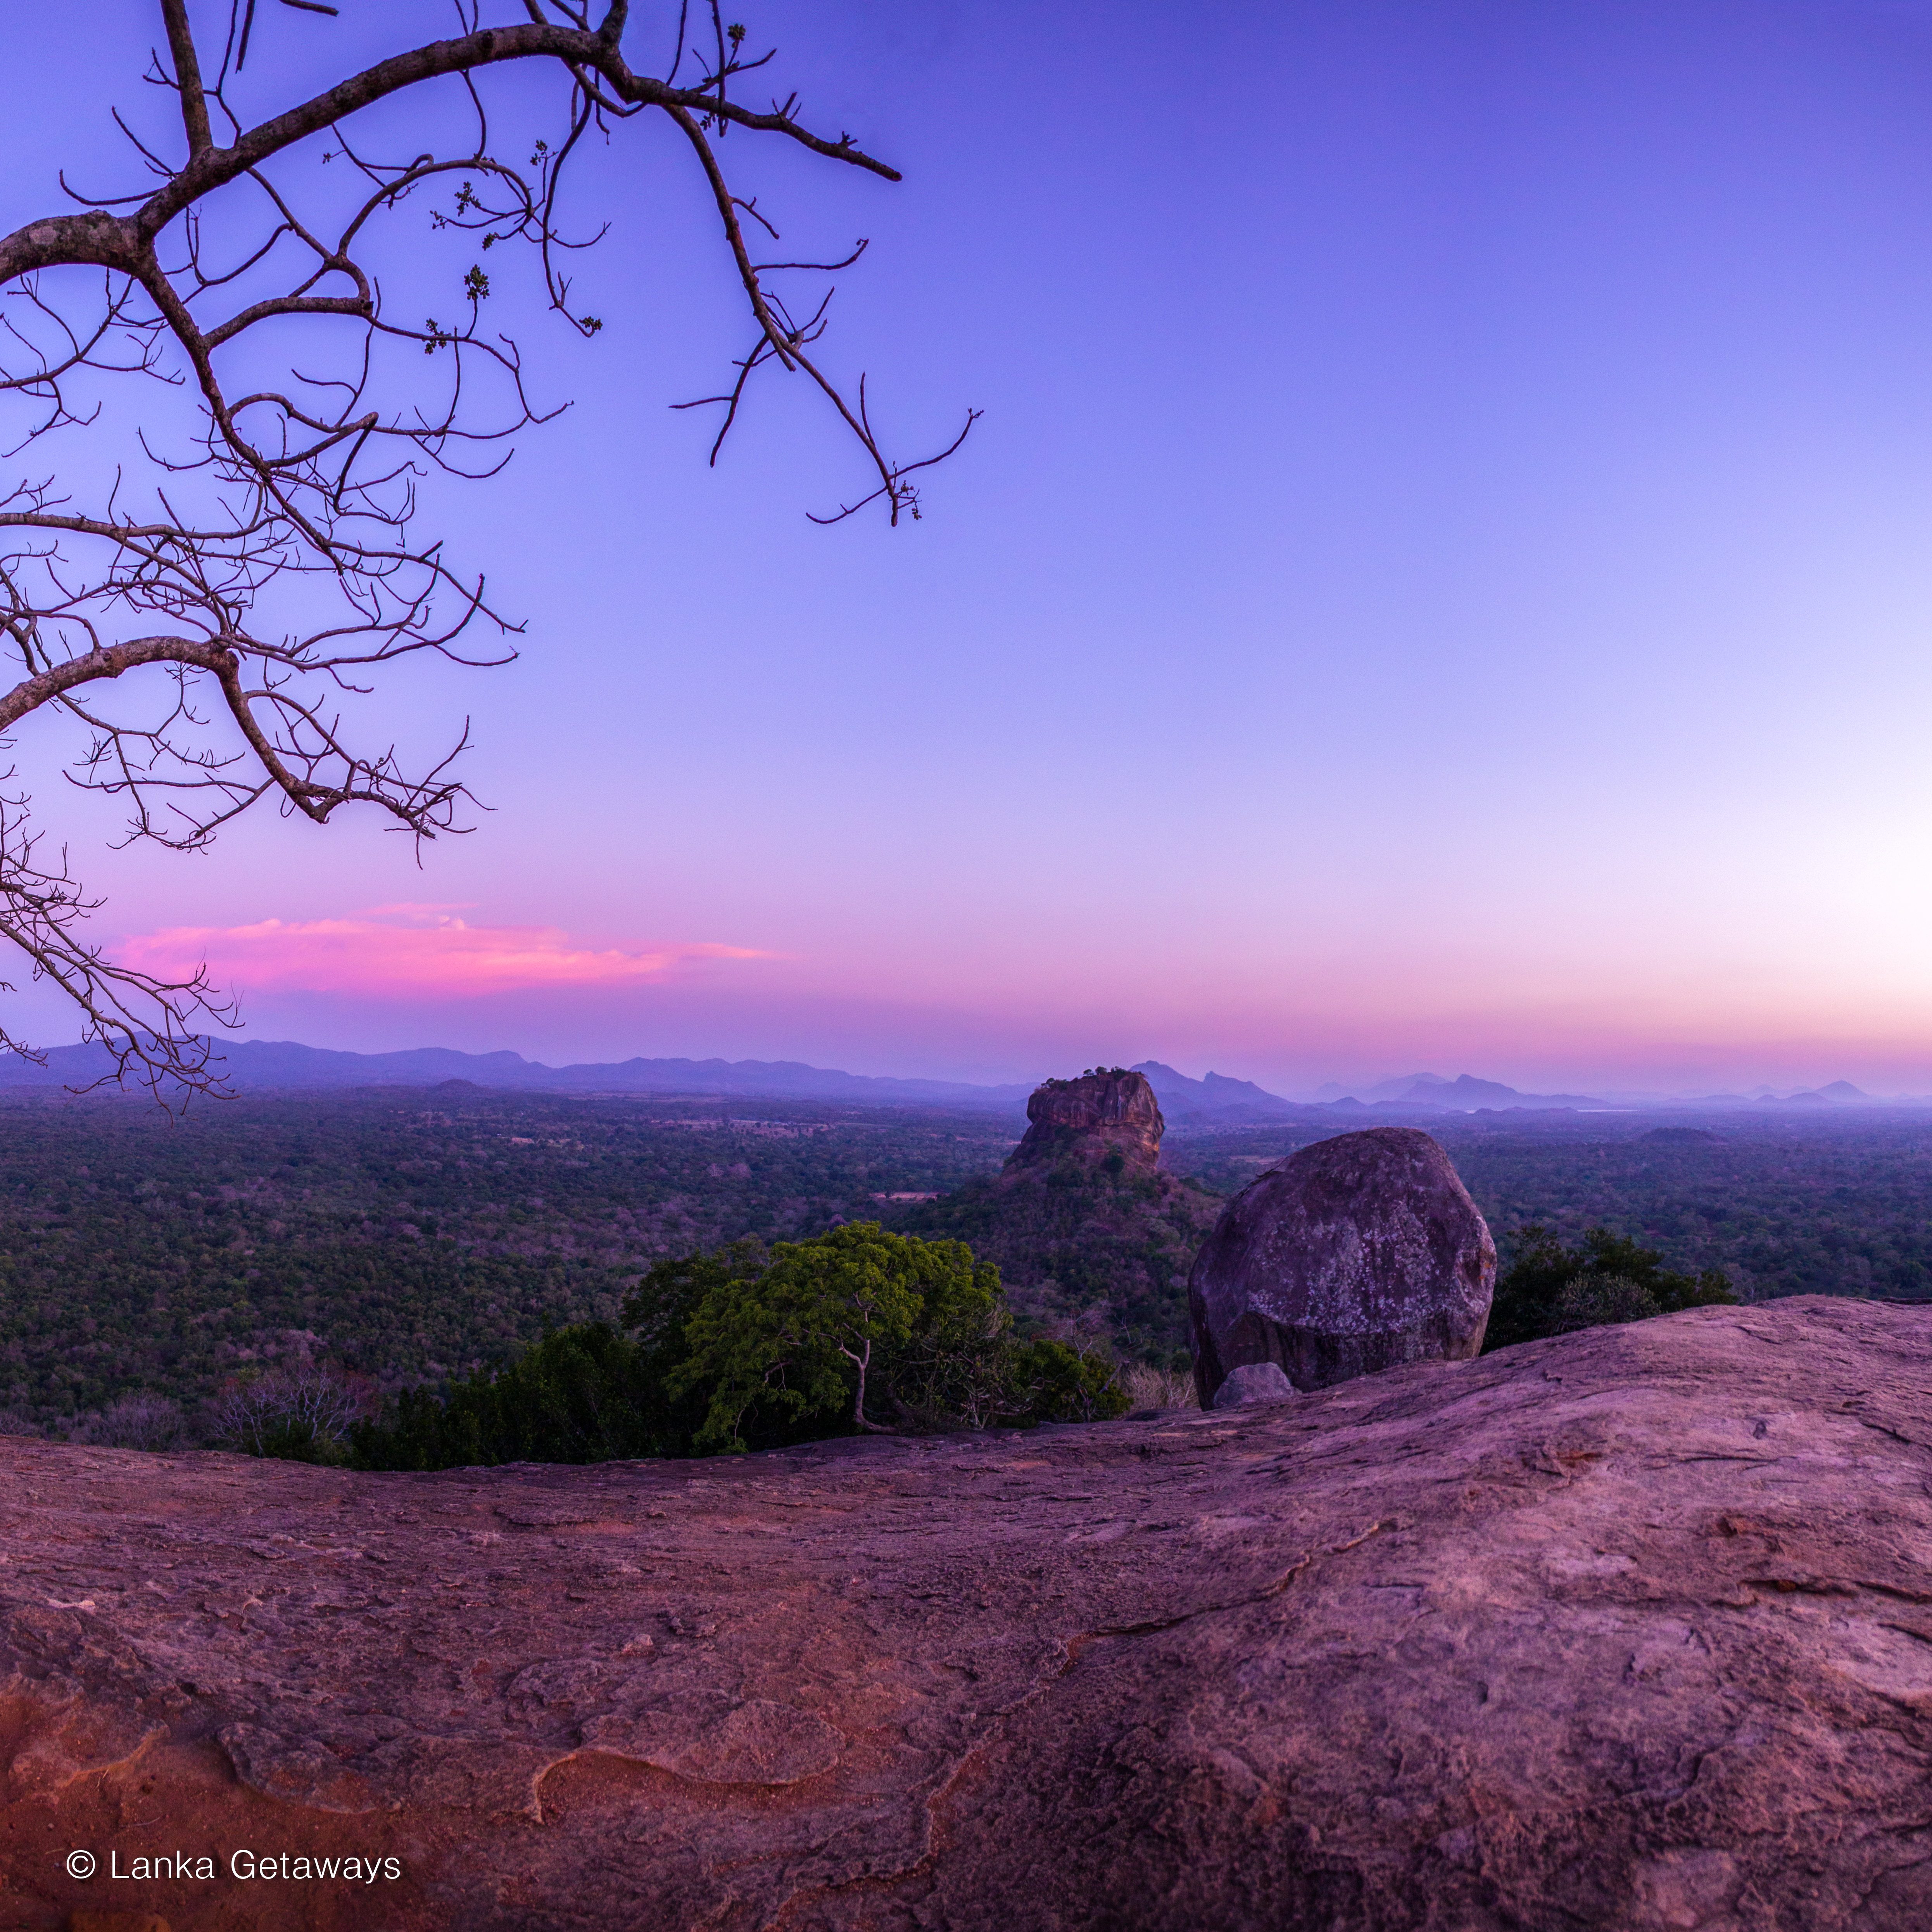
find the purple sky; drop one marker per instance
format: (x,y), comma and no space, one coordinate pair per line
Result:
(1442,579)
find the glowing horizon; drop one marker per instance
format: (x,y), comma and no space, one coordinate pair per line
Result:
(1442,582)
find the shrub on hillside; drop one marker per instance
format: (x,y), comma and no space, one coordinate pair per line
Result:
(579,1395)
(1600,1301)
(1549,1289)
(583,1394)
(1149,1386)
(303,1413)
(1053,1381)
(144,1421)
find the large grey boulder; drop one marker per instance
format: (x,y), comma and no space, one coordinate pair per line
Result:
(1353,1255)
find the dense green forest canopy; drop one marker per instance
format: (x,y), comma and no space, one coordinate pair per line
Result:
(407,1235)
(414,1236)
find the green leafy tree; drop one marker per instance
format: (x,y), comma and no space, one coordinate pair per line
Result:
(661,1305)
(822,1329)
(741,1347)
(1550,1289)
(956,1367)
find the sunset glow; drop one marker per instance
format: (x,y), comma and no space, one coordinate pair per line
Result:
(369,958)
(1443,580)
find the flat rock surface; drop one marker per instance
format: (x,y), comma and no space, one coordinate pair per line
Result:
(1631,1629)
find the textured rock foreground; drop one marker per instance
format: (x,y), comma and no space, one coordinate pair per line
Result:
(1632,1629)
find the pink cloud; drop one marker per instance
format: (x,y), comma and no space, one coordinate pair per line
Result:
(447,959)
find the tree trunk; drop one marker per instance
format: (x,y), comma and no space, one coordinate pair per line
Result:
(859,1400)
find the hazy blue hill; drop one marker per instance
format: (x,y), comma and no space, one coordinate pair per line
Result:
(1465,1094)
(260,1065)
(1834,1093)
(1217,1098)
(1404,1086)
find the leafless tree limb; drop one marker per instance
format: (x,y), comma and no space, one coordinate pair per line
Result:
(209,617)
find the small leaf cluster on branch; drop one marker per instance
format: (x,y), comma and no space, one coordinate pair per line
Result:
(256,555)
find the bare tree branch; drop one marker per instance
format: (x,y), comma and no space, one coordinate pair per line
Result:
(214,617)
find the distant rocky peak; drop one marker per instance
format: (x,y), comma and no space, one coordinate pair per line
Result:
(1107,1111)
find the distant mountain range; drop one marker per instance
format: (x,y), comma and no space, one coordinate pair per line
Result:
(256,1064)
(1838,1094)
(1214,1100)
(259,1065)
(1465,1093)
(1218,1101)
